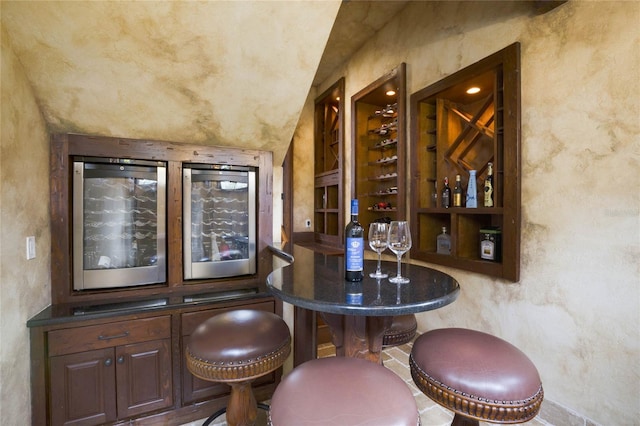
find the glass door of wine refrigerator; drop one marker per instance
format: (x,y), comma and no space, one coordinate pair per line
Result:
(219,219)
(118,222)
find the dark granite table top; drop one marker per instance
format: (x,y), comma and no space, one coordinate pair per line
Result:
(315,281)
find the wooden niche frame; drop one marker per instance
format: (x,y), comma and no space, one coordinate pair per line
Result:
(452,133)
(378,148)
(328,185)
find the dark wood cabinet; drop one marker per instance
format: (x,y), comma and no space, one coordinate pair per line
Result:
(111,368)
(114,355)
(130,373)
(452,133)
(65,147)
(328,165)
(378,148)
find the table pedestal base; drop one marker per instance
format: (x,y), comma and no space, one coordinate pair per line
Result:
(358,336)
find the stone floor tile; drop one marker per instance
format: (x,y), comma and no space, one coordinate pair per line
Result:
(396,367)
(398,354)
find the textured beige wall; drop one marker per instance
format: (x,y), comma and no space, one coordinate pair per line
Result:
(576,309)
(24,211)
(231,73)
(303,167)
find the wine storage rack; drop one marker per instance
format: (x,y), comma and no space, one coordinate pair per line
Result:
(329,133)
(379,148)
(452,133)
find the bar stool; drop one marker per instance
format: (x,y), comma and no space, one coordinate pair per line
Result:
(476,375)
(341,391)
(237,347)
(403,330)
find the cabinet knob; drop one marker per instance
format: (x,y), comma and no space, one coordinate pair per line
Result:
(121,359)
(108,362)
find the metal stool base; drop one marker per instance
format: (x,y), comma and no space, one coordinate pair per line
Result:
(224,410)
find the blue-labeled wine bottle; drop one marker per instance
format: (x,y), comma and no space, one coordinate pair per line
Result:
(354,247)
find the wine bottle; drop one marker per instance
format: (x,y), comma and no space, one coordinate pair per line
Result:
(488,187)
(354,293)
(443,242)
(472,192)
(434,195)
(457,193)
(354,247)
(446,194)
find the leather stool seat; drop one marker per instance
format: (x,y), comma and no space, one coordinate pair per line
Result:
(403,330)
(341,391)
(476,375)
(236,347)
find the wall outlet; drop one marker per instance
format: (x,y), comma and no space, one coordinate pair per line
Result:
(307,223)
(31,248)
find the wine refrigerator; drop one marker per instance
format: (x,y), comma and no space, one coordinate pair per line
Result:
(119,215)
(219,221)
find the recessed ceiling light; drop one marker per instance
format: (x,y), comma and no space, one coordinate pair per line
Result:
(473,90)
(391,92)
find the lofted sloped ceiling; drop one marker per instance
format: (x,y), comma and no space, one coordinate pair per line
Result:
(356,23)
(217,72)
(230,73)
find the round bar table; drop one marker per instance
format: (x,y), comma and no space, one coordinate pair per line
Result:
(358,313)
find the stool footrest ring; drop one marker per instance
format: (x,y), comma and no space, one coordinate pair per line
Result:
(221,411)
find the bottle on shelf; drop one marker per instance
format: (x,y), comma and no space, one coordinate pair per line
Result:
(354,247)
(488,187)
(434,195)
(472,192)
(443,242)
(457,193)
(446,194)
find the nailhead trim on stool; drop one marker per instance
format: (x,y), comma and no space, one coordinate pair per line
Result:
(240,371)
(403,330)
(476,375)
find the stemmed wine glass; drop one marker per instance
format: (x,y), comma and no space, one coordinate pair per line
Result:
(399,242)
(378,233)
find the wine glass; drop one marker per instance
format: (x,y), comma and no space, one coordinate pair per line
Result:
(399,242)
(378,233)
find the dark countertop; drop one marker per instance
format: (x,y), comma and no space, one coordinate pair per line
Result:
(183,298)
(316,281)
(58,314)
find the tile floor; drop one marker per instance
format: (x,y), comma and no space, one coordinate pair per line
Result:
(397,360)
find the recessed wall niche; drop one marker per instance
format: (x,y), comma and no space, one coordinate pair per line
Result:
(455,132)
(378,148)
(328,178)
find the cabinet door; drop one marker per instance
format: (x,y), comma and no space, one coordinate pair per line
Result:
(83,388)
(143,372)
